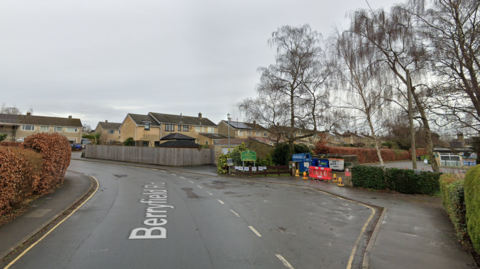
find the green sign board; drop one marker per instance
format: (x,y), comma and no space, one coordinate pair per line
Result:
(249,155)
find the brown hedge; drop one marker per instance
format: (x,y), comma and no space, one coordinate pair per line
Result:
(369,155)
(10,144)
(19,169)
(56,153)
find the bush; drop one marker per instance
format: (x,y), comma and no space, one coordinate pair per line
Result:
(453,199)
(10,144)
(472,203)
(368,155)
(19,169)
(2,137)
(401,180)
(368,177)
(56,154)
(267,161)
(128,141)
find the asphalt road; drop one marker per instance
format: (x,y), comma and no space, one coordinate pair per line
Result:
(194,221)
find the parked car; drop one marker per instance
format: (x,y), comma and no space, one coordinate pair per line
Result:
(84,142)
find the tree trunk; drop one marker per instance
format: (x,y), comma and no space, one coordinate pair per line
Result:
(410,116)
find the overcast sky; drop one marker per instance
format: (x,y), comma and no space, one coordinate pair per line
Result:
(99,60)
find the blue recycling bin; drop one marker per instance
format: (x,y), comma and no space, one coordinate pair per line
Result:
(304,160)
(323,163)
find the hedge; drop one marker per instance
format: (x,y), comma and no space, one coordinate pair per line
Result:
(56,153)
(10,144)
(404,181)
(369,155)
(453,199)
(19,169)
(472,203)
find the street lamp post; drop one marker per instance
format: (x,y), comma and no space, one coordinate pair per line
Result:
(228,118)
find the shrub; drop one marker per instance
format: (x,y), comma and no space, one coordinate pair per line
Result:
(267,161)
(128,141)
(401,180)
(10,144)
(281,153)
(56,154)
(368,177)
(222,163)
(2,137)
(368,155)
(19,168)
(472,203)
(453,199)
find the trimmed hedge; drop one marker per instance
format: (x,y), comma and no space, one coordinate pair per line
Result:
(19,169)
(453,199)
(404,181)
(56,153)
(472,203)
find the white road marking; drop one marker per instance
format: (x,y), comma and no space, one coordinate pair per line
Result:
(173,175)
(255,231)
(199,186)
(221,202)
(285,262)
(209,193)
(191,182)
(182,177)
(236,214)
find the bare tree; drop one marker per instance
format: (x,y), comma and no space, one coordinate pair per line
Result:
(395,37)
(9,110)
(453,29)
(360,78)
(292,92)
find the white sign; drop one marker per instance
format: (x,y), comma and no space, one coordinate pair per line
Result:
(246,169)
(260,168)
(336,164)
(306,164)
(254,169)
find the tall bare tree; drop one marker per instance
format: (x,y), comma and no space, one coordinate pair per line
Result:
(396,38)
(360,78)
(453,29)
(292,92)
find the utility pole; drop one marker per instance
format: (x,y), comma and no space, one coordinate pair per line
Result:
(410,116)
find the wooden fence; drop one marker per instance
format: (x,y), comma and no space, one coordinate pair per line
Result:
(160,156)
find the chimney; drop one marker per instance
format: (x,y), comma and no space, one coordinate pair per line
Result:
(106,120)
(180,115)
(28,113)
(70,117)
(200,115)
(460,137)
(254,122)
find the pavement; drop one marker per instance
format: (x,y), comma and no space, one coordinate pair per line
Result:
(43,211)
(415,231)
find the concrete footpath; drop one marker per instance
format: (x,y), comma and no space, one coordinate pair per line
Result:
(414,233)
(43,211)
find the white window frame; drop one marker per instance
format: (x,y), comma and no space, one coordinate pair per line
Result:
(111,131)
(42,128)
(69,130)
(240,132)
(197,129)
(57,129)
(169,127)
(24,127)
(185,128)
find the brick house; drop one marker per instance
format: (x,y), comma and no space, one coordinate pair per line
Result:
(19,127)
(110,131)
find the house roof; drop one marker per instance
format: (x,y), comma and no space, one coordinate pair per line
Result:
(180,144)
(213,136)
(141,119)
(177,136)
(180,119)
(245,125)
(109,125)
(8,118)
(43,120)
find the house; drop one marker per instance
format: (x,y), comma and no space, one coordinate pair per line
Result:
(19,127)
(253,143)
(110,131)
(238,129)
(153,126)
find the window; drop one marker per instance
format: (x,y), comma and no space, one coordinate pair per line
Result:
(58,129)
(257,133)
(197,129)
(28,127)
(71,129)
(211,130)
(265,134)
(111,131)
(249,133)
(170,127)
(240,132)
(206,142)
(185,128)
(44,128)
(203,129)
(179,128)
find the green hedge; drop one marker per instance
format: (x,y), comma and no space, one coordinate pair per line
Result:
(472,203)
(401,180)
(453,199)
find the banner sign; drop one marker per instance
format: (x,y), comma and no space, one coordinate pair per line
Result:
(336,164)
